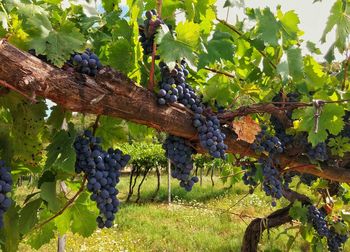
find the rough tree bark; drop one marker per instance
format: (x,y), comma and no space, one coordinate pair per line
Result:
(258,226)
(113,94)
(281,216)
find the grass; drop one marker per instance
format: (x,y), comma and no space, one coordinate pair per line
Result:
(205,219)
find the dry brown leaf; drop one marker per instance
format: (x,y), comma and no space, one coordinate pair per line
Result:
(246,129)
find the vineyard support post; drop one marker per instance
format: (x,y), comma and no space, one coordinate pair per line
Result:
(169,182)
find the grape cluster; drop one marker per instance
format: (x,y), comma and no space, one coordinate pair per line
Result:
(86,63)
(318,220)
(148,30)
(5,188)
(287,178)
(180,154)
(102,170)
(346,130)
(271,145)
(173,87)
(266,143)
(249,174)
(272,184)
(307,179)
(335,240)
(319,152)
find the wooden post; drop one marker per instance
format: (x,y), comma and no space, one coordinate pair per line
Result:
(169,182)
(61,243)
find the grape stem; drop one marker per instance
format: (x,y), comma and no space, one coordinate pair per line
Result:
(95,126)
(151,74)
(69,202)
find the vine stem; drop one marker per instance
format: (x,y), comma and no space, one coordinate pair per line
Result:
(220,72)
(69,202)
(231,175)
(7,85)
(95,126)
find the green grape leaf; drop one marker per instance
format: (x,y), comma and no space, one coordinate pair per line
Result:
(307,232)
(219,47)
(330,54)
(338,18)
(298,212)
(234,3)
(330,121)
(220,88)
(45,233)
(283,69)
(267,26)
(171,49)
(10,235)
(314,75)
(110,5)
(121,28)
(60,152)
(27,130)
(295,63)
(111,130)
(48,193)
(63,221)
(58,44)
(188,33)
(79,212)
(29,215)
(57,116)
(289,22)
(339,145)
(121,55)
(346,216)
(312,48)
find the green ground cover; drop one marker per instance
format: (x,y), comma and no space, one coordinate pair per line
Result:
(206,219)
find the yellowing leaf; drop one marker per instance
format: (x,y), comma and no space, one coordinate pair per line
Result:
(246,129)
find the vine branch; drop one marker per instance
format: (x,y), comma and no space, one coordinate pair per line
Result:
(124,99)
(69,202)
(220,72)
(6,85)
